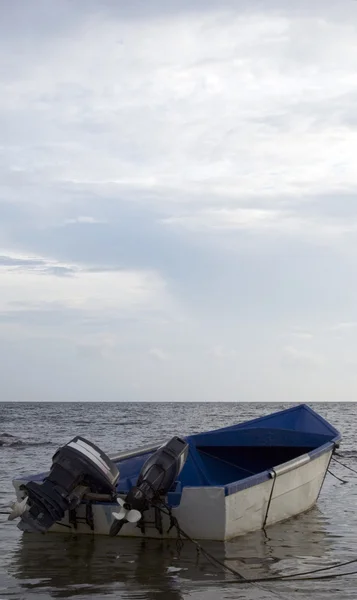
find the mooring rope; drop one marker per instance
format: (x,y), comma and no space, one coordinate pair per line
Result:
(336,476)
(343,465)
(240,578)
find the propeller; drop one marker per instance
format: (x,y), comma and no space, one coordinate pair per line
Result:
(126,514)
(18,509)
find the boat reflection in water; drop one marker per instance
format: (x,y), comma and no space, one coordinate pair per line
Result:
(66,566)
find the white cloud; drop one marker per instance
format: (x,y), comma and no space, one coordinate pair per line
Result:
(236,105)
(101,345)
(221,353)
(159,354)
(174,175)
(300,359)
(284,222)
(84,220)
(124,290)
(345,326)
(302,335)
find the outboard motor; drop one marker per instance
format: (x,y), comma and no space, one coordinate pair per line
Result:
(156,477)
(77,468)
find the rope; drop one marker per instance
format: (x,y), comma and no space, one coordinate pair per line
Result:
(212,559)
(302,576)
(270,499)
(241,579)
(336,476)
(343,465)
(296,578)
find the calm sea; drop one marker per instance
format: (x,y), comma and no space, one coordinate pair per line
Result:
(62,566)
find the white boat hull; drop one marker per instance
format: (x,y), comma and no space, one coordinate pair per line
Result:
(223,512)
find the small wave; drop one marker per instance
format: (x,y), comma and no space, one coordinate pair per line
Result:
(10,441)
(136,422)
(346,453)
(349,456)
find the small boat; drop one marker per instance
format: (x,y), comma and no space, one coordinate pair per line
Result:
(216,485)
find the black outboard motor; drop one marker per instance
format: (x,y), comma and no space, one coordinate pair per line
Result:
(156,477)
(77,467)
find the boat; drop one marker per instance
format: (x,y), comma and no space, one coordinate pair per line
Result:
(215,485)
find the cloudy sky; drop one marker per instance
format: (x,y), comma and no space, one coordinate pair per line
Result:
(178,213)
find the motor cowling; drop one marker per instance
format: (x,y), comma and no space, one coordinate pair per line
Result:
(78,467)
(156,477)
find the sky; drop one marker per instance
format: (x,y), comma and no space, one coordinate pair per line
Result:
(178,213)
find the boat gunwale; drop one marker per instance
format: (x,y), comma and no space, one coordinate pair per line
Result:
(256,479)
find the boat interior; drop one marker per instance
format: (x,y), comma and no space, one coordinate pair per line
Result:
(231,454)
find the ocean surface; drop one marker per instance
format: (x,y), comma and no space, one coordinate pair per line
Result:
(69,566)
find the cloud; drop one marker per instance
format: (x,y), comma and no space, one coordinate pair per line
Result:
(302,335)
(250,75)
(299,359)
(98,346)
(285,222)
(222,353)
(159,354)
(85,220)
(177,183)
(29,263)
(86,292)
(345,326)
(13,264)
